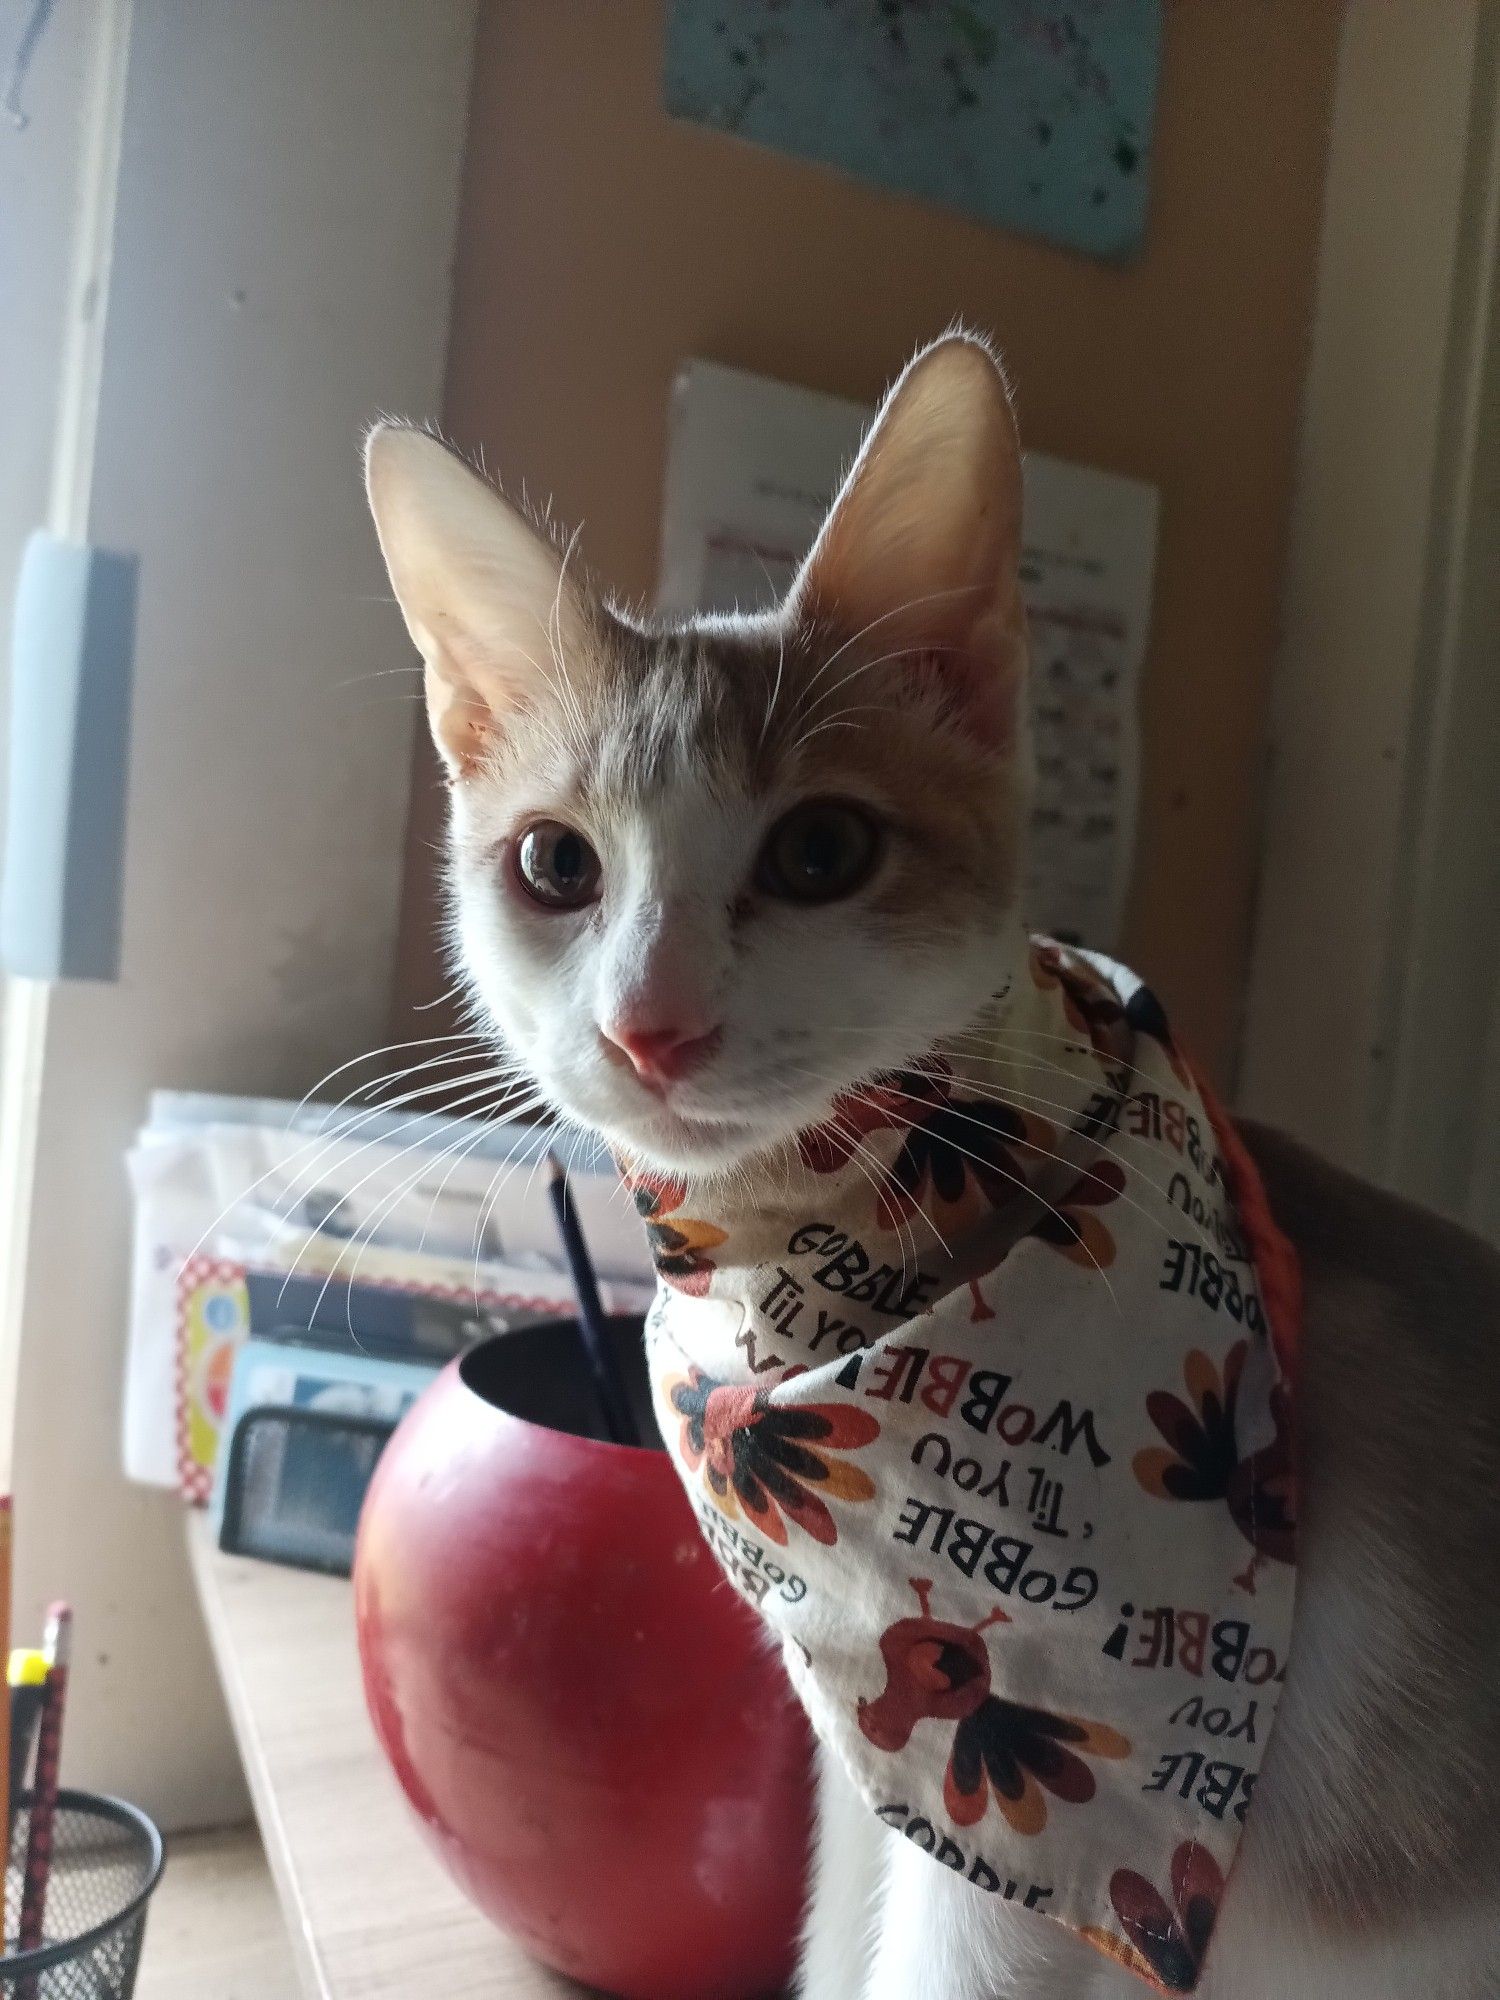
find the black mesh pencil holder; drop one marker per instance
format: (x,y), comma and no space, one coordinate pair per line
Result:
(106,1860)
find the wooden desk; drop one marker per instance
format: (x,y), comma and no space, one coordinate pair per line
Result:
(372,1916)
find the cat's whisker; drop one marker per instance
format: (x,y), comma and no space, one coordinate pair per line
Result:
(496,1185)
(995,1096)
(301,1169)
(369,1055)
(618,1191)
(896,611)
(1082,1044)
(995,1037)
(1105,1141)
(363,1238)
(452,993)
(849,1138)
(315,1142)
(566,701)
(375,674)
(866,666)
(998,1052)
(889,1088)
(776,687)
(1021,1061)
(991,1091)
(485,1125)
(412,1149)
(369,1091)
(874,1173)
(838,721)
(894,1185)
(809,712)
(554,631)
(570,1165)
(859,1166)
(301,1182)
(882,1179)
(535,720)
(1020,1181)
(547,1134)
(491,1087)
(1020,1100)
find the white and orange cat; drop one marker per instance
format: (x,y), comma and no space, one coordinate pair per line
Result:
(709,879)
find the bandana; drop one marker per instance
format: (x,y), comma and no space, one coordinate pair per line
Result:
(983,1402)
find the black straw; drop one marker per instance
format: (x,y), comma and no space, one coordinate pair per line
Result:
(608,1382)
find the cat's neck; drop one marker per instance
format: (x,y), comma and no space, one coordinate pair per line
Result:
(928,1173)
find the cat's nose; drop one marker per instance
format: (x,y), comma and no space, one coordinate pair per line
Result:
(661,1055)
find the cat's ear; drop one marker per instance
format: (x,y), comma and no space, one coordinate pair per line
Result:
(921,551)
(485,596)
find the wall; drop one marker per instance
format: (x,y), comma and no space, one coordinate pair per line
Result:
(281,242)
(1383,821)
(601,243)
(39,164)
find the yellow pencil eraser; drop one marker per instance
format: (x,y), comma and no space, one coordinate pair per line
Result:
(28,1667)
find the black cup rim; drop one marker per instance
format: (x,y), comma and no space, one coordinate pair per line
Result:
(624,1328)
(69,1950)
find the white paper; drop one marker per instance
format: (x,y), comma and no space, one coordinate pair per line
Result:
(425,1201)
(752,466)
(1089,557)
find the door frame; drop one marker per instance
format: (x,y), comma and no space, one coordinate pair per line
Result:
(1368,1008)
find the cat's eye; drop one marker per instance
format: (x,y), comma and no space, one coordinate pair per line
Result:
(819,851)
(556,867)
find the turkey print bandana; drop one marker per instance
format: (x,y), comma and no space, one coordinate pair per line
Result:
(985,1406)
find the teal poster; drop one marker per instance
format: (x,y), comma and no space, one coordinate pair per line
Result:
(1030,114)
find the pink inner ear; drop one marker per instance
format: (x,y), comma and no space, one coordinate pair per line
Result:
(981,689)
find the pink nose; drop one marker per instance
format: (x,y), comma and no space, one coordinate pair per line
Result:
(662,1055)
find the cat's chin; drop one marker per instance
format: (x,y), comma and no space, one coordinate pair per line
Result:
(667,1143)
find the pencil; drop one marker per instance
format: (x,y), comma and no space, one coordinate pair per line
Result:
(26,1674)
(58,1644)
(608,1383)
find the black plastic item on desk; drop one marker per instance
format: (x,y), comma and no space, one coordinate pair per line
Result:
(381,1320)
(295,1483)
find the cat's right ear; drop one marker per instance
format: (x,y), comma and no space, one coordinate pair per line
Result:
(485,596)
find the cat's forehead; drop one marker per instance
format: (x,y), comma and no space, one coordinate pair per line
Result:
(713,701)
(681,733)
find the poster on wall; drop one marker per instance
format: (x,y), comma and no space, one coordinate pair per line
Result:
(1033,115)
(751,467)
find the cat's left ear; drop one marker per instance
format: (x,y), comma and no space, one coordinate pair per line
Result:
(920,556)
(485,595)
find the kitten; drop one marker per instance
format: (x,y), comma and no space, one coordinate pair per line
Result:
(708,881)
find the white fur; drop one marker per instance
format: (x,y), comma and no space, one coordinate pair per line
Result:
(806,1001)
(848,1904)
